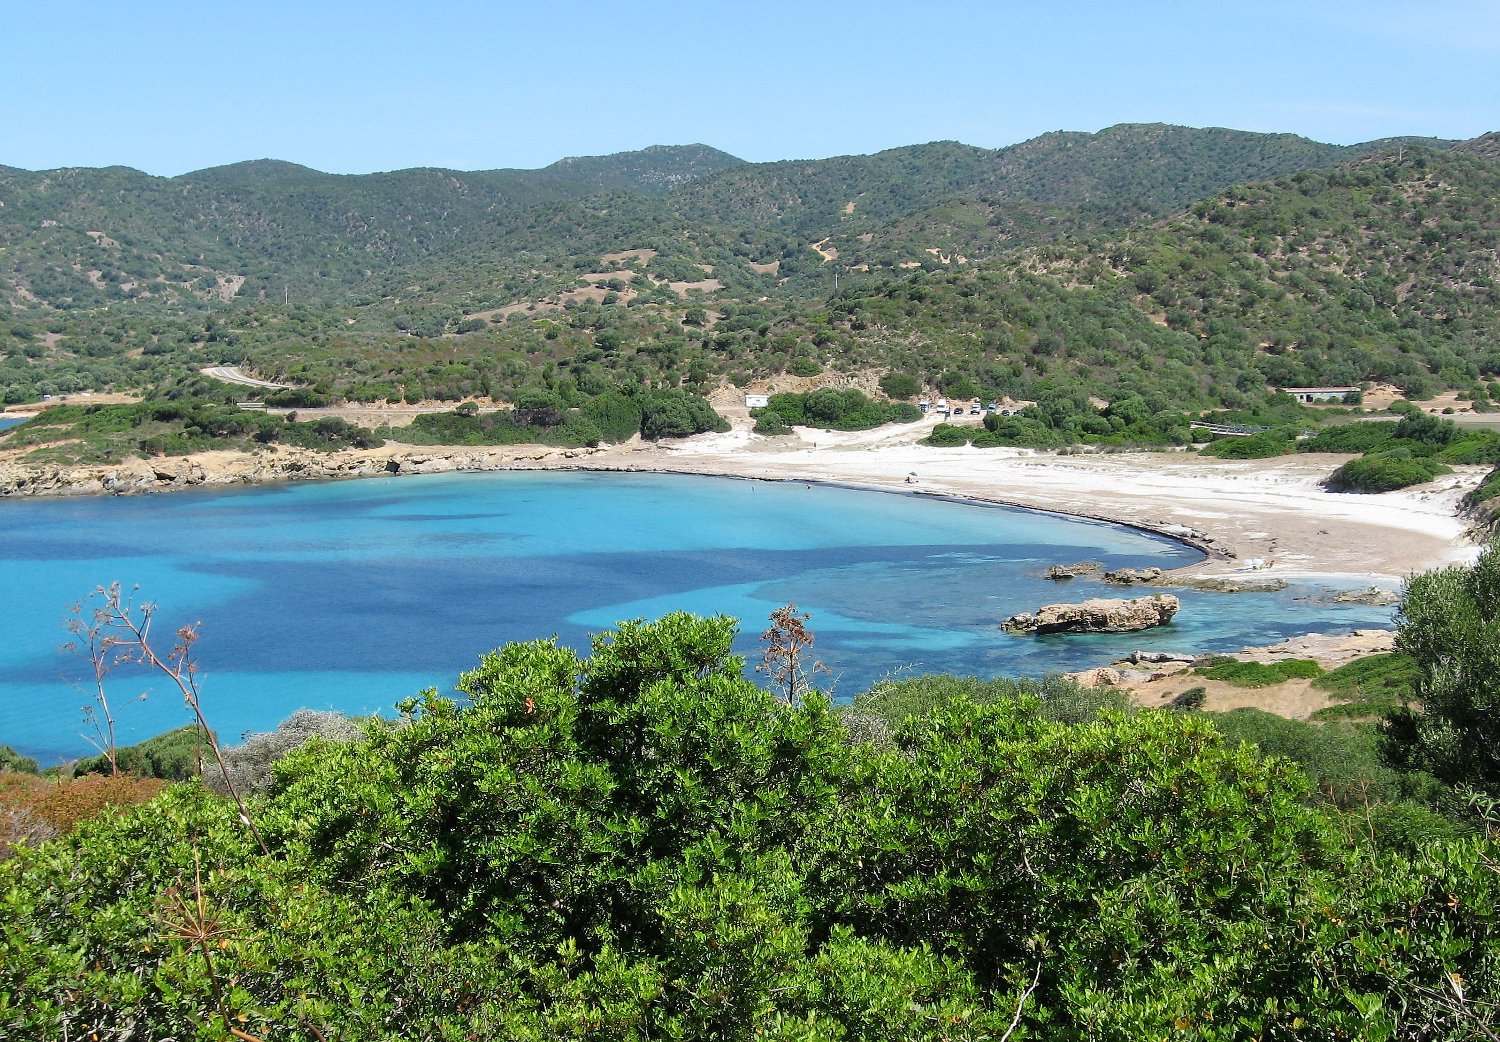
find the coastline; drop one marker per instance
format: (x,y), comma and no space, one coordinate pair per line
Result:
(1273,511)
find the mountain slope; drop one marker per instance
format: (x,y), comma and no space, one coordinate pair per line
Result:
(654,170)
(82,238)
(1385,269)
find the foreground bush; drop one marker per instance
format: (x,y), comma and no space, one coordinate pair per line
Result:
(642,844)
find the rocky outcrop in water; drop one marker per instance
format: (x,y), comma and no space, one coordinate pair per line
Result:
(1059,572)
(1373,595)
(1132,576)
(1097,615)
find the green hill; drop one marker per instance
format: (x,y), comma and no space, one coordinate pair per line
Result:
(590,274)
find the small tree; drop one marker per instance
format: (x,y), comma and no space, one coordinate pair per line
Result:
(787,642)
(1449,623)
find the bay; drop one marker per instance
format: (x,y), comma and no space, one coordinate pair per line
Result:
(355,595)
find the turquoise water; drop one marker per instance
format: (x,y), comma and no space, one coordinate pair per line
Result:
(7,422)
(354,595)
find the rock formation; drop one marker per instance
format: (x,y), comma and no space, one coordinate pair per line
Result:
(1132,576)
(1059,572)
(1097,615)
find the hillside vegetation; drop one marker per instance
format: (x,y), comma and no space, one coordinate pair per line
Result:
(682,268)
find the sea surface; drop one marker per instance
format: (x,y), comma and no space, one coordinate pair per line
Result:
(354,595)
(7,422)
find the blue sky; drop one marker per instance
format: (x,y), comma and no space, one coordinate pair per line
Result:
(349,87)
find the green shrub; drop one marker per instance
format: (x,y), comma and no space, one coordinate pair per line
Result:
(617,417)
(10,760)
(1259,674)
(677,414)
(170,756)
(900,701)
(1369,686)
(296,398)
(1192,698)
(1351,437)
(947,435)
(1264,445)
(1384,472)
(1348,770)
(770,423)
(831,408)
(1472,447)
(900,385)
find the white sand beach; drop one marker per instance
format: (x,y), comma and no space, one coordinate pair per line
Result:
(1274,510)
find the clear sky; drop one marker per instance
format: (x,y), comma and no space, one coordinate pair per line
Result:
(351,87)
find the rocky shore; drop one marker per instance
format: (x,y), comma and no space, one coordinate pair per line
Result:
(271,466)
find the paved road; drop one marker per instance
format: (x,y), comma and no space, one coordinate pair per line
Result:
(231,374)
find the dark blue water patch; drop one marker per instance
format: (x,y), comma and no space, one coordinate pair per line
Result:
(354,595)
(7,422)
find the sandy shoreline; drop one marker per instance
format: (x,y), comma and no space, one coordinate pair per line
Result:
(1273,510)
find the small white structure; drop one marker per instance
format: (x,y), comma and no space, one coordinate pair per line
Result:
(1312,395)
(757,401)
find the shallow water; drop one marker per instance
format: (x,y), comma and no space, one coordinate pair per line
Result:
(354,595)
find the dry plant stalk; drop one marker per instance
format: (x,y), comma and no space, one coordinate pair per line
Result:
(124,631)
(93,641)
(787,642)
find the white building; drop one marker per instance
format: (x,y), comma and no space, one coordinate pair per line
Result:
(757,401)
(1313,395)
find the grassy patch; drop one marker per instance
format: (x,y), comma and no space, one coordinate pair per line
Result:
(1258,674)
(1368,687)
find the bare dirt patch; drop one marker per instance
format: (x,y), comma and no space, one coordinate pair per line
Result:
(1155,686)
(103,240)
(773,268)
(229,285)
(703,285)
(822,249)
(643,256)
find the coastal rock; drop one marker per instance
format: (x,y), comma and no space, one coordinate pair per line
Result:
(1104,676)
(1060,572)
(1230,584)
(1097,615)
(1374,595)
(1158,657)
(1132,576)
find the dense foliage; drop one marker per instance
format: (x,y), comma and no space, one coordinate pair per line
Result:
(1450,630)
(642,844)
(177,424)
(835,409)
(172,756)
